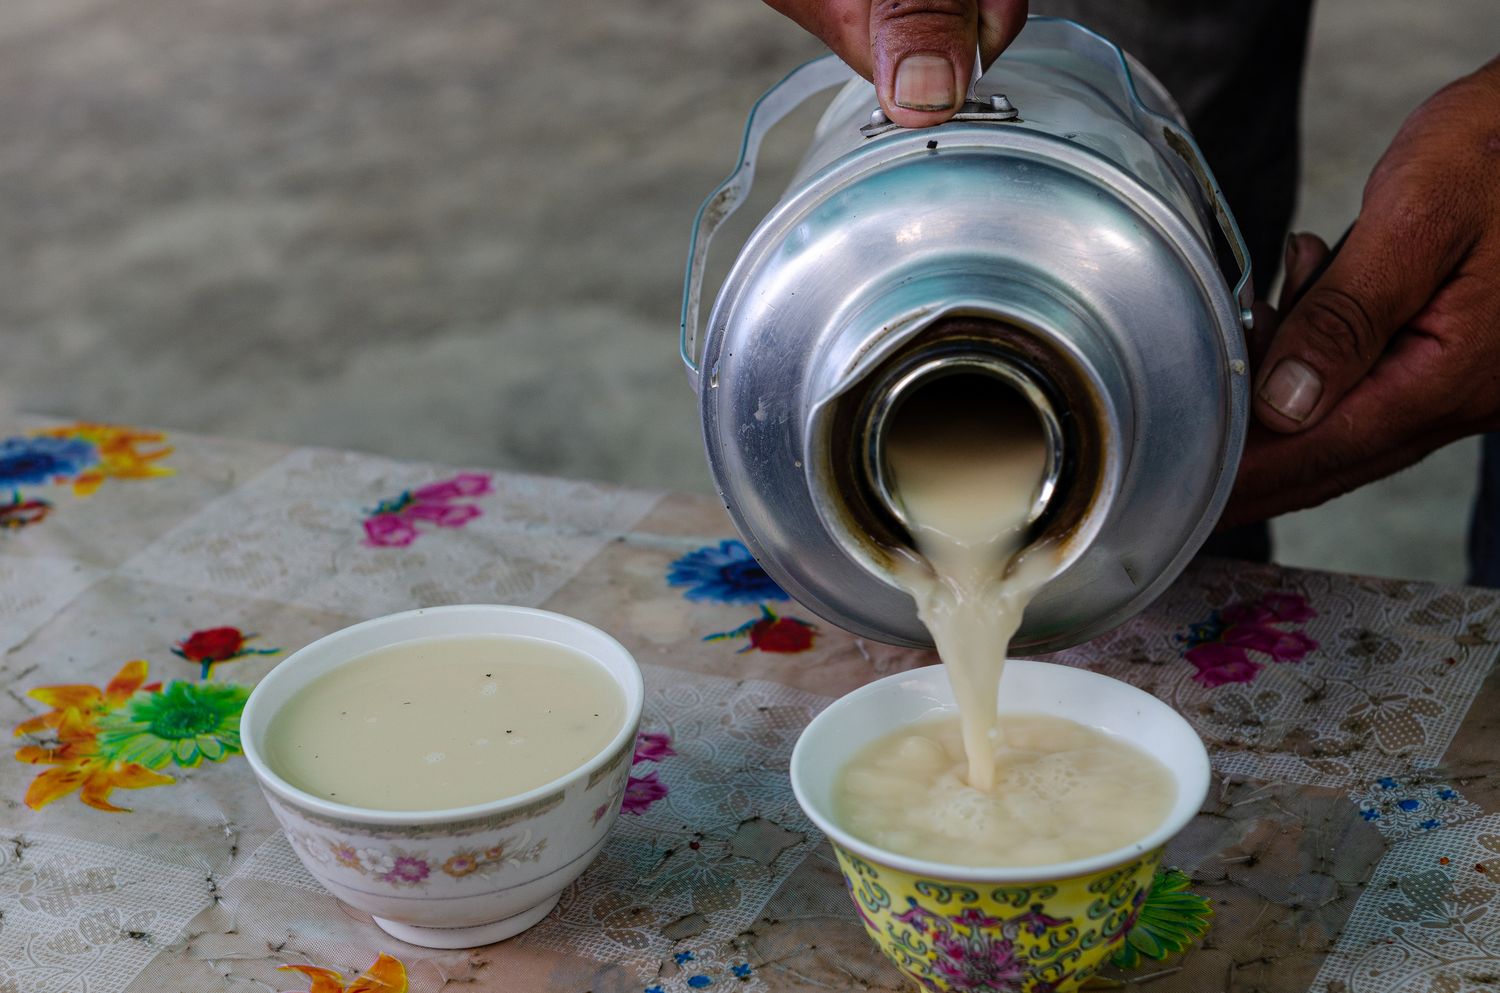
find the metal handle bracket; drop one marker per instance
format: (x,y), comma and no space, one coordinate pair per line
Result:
(801,83)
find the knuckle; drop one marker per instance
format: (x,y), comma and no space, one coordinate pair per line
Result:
(888,11)
(1337,326)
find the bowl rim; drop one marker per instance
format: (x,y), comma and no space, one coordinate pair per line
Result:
(630,683)
(1194,782)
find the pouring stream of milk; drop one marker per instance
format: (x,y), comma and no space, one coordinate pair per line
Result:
(966,456)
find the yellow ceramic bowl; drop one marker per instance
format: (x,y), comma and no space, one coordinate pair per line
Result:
(1032,929)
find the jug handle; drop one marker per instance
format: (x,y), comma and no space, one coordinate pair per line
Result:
(1182,144)
(797,86)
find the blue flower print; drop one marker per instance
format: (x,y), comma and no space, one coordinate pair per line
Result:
(29,461)
(698,982)
(726,573)
(742,970)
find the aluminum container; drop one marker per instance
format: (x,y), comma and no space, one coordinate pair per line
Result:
(1062,234)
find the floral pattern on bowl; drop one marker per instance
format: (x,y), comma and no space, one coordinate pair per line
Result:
(952,937)
(400,867)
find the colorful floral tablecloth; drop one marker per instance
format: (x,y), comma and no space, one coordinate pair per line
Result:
(1350,844)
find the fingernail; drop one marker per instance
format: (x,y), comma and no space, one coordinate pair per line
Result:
(1289,252)
(1293,389)
(925,82)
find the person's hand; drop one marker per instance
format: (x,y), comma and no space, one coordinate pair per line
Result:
(918,53)
(1395,350)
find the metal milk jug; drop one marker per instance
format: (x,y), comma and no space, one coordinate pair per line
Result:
(1063,234)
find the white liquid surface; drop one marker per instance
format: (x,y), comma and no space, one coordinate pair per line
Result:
(445,722)
(1062,791)
(967,457)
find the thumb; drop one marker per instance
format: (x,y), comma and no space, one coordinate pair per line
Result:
(923,52)
(1337,329)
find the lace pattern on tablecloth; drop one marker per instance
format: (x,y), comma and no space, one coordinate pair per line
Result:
(1429,919)
(294,534)
(81,917)
(1389,676)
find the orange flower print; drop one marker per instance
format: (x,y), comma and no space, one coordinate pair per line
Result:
(461,864)
(121,451)
(71,743)
(89,702)
(77,765)
(387,975)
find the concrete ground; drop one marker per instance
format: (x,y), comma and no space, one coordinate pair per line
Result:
(455,230)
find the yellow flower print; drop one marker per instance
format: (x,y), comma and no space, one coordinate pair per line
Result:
(122,454)
(387,975)
(77,765)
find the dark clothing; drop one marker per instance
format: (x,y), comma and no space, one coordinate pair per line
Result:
(1484,530)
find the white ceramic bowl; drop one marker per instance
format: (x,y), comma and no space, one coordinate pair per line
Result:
(466,876)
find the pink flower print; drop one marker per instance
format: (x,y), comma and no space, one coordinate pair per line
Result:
(393,523)
(972,917)
(345,855)
(652,746)
(600,811)
(389,531)
(1282,646)
(1218,664)
(1288,607)
(465,484)
(641,792)
(407,871)
(444,515)
(1219,647)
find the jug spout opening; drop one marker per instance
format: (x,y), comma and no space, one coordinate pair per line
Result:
(1005,394)
(973,363)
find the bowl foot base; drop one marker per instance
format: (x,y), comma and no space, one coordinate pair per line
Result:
(468,937)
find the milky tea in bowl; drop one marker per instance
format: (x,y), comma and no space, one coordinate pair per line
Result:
(445,722)
(448,770)
(1063,791)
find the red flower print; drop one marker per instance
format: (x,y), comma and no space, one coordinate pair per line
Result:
(1219,647)
(784,635)
(652,746)
(771,632)
(213,645)
(19,513)
(218,644)
(641,792)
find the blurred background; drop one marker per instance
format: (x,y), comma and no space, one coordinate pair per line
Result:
(455,230)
